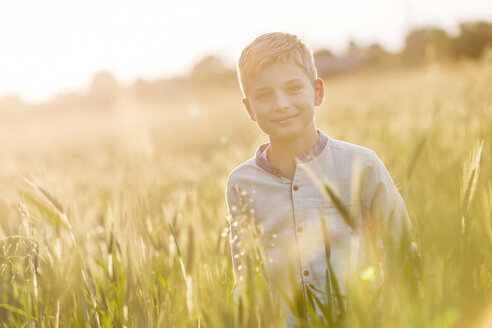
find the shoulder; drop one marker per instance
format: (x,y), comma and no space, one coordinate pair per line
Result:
(244,175)
(351,151)
(242,171)
(374,170)
(349,147)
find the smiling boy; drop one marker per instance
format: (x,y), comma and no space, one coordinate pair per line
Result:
(302,177)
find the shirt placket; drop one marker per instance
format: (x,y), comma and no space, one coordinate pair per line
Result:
(297,193)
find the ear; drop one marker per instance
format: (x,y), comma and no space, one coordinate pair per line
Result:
(247,105)
(319,92)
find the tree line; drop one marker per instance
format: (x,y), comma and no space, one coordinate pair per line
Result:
(473,41)
(422,45)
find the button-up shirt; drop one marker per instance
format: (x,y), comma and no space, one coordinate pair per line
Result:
(337,185)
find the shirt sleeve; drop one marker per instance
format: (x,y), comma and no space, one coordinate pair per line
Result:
(384,203)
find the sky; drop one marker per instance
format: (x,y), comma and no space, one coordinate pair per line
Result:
(53,46)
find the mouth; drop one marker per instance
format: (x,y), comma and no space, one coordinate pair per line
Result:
(286,119)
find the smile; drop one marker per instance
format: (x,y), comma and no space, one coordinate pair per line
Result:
(285,119)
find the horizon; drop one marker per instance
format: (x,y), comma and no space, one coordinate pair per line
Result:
(73,42)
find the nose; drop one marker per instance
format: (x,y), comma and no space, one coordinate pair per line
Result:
(281,101)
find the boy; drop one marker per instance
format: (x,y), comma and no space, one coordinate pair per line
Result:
(315,199)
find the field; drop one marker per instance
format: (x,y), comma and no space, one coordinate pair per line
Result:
(117,217)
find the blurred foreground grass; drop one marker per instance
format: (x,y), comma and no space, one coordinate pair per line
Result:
(118,217)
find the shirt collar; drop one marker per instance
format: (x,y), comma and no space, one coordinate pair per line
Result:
(261,155)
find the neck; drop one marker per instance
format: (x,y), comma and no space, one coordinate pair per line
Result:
(283,152)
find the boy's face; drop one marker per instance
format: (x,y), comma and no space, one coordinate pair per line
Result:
(282,98)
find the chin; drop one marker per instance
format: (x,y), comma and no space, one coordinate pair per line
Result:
(287,135)
(288,132)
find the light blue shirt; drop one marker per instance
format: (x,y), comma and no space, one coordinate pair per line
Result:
(289,213)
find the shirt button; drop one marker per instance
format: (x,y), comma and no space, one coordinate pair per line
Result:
(296,188)
(306,272)
(299,229)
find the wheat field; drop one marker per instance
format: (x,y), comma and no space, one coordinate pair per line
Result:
(117,217)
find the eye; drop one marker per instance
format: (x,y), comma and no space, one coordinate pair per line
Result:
(262,96)
(294,89)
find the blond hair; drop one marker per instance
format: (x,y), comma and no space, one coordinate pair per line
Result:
(270,48)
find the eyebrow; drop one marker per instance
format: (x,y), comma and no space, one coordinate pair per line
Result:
(287,82)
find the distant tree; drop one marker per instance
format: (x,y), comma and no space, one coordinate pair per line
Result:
(328,64)
(323,53)
(210,66)
(142,89)
(427,42)
(353,47)
(323,59)
(104,88)
(376,55)
(474,38)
